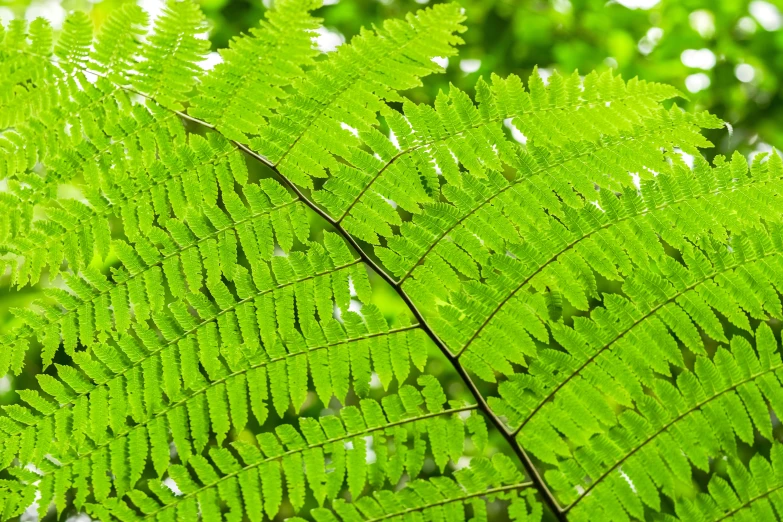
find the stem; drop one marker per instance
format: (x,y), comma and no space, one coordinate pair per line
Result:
(482,405)
(748,503)
(493,491)
(537,480)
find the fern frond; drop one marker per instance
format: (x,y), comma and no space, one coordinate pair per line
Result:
(671,300)
(118,45)
(247,87)
(599,241)
(164,68)
(139,283)
(169,62)
(221,308)
(26,70)
(445,498)
(343,440)
(473,203)
(435,143)
(140,189)
(177,237)
(73,45)
(306,136)
(609,299)
(720,401)
(757,492)
(65,133)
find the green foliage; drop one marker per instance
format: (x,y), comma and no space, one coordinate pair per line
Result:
(251,80)
(208,248)
(645,39)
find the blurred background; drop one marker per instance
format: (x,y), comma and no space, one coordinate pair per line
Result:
(725,55)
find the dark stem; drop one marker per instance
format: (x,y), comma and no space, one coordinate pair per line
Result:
(536,478)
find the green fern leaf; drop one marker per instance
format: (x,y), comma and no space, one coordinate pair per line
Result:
(210,352)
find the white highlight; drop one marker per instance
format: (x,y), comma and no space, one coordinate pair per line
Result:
(31,513)
(5,384)
(767,15)
(350,129)
(462,462)
(328,40)
(703,22)
(650,40)
(638,4)
(687,158)
(628,480)
(391,202)
(698,58)
(152,7)
(761,147)
(211,61)
(393,139)
(746,25)
(469,65)
(52,11)
(562,6)
(6,15)
(515,133)
(441,60)
(697,82)
(169,483)
(745,72)
(545,74)
(369,453)
(81,517)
